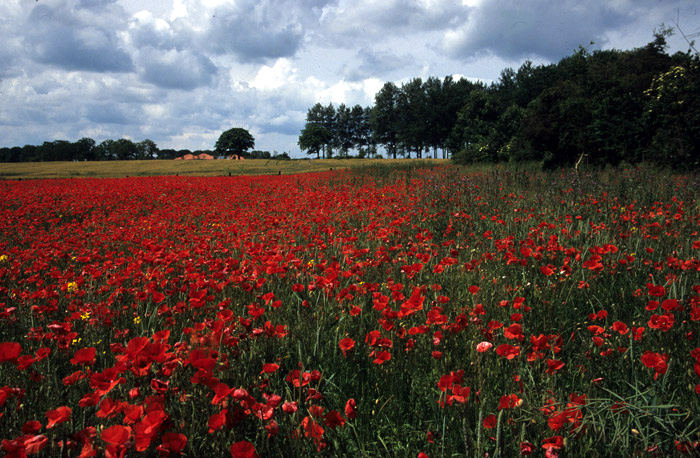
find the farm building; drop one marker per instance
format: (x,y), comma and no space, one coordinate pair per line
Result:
(190,157)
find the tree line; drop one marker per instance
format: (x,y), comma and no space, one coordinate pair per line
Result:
(86,149)
(601,107)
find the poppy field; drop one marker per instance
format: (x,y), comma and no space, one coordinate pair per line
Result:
(387,311)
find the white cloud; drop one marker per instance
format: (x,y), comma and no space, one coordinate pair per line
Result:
(275,76)
(179,10)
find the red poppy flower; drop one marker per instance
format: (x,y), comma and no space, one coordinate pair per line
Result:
(289,407)
(334,419)
(272,428)
(508,351)
(547,270)
(459,394)
(483,347)
(514,331)
(526,448)
(84,356)
(14,448)
(489,421)
(509,401)
(554,442)
(58,416)
(42,353)
(24,361)
(243,449)
(202,360)
(172,443)
(34,444)
(351,409)
(652,305)
(382,357)
(554,365)
(132,413)
(108,408)
(314,431)
(217,421)
(116,435)
(221,392)
(346,345)
(661,322)
(269,368)
(655,361)
(316,411)
(671,305)
(555,422)
(31,427)
(620,327)
(655,290)
(413,304)
(9,351)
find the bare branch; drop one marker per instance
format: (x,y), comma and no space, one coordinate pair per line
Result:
(687,38)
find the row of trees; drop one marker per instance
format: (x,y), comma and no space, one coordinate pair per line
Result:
(603,107)
(328,129)
(412,119)
(86,149)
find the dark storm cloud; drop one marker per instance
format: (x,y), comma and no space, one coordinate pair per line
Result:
(254,31)
(59,37)
(551,29)
(175,69)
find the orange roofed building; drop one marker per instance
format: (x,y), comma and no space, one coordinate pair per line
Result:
(191,157)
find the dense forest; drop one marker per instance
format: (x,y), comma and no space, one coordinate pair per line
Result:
(600,107)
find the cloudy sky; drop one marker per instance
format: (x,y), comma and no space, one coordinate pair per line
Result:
(182,71)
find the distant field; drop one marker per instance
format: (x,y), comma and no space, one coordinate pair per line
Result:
(29,170)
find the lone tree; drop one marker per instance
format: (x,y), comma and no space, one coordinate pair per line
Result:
(313,137)
(234,141)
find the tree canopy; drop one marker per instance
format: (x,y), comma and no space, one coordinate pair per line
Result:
(85,149)
(234,141)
